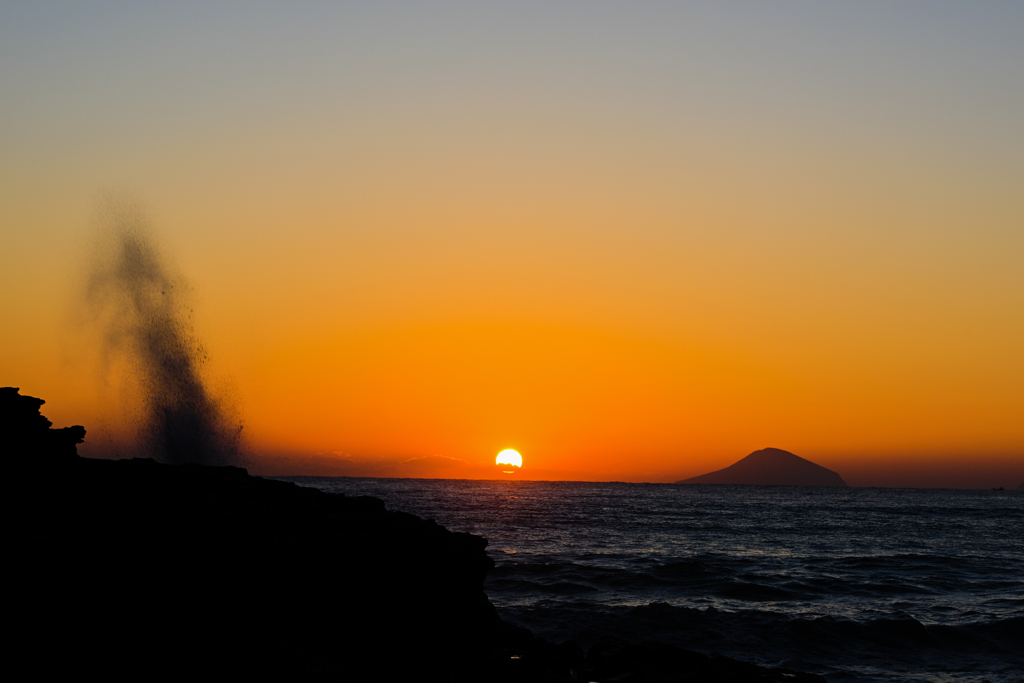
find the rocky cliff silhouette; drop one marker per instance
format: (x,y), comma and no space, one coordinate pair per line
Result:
(771,467)
(28,437)
(133,568)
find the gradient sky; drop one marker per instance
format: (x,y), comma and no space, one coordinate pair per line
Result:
(633,241)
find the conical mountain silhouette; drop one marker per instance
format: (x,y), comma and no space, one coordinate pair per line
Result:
(771,467)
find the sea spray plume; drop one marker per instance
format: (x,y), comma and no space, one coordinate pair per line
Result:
(140,301)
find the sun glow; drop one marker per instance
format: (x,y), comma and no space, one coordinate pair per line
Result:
(509,457)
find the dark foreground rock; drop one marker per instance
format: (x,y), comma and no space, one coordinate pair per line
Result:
(30,437)
(134,568)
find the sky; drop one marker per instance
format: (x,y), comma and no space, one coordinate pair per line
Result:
(633,241)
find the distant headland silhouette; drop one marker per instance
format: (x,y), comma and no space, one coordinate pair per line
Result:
(771,467)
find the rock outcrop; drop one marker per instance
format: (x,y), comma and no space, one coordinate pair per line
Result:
(28,438)
(132,568)
(771,467)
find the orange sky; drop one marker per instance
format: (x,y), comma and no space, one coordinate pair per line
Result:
(632,245)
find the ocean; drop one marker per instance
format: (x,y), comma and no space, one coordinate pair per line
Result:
(854,584)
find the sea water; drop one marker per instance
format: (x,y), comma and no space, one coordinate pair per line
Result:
(855,584)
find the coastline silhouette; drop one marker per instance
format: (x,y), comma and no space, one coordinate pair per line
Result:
(771,467)
(133,567)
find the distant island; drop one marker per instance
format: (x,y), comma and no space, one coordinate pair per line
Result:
(771,467)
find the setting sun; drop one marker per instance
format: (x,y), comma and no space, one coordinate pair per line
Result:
(744,280)
(509,457)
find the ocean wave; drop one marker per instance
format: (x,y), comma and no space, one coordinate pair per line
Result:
(847,649)
(853,584)
(851,579)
